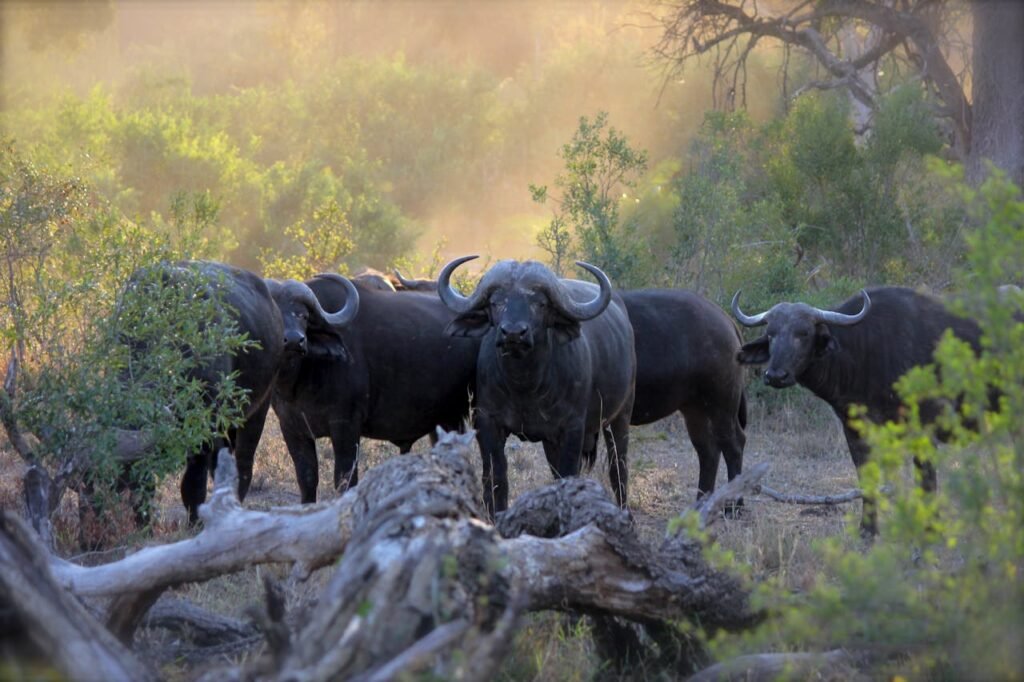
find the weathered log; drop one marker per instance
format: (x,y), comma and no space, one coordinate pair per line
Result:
(73,641)
(772,666)
(203,627)
(232,539)
(749,481)
(423,585)
(787,498)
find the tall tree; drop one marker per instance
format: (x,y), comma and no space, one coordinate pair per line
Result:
(856,42)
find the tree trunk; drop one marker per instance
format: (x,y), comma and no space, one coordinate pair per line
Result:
(998,90)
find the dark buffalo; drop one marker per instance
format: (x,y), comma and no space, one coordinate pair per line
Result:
(686,361)
(849,357)
(556,365)
(415,284)
(375,279)
(391,375)
(247,300)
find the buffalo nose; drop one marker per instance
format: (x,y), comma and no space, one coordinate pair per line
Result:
(776,377)
(295,342)
(514,331)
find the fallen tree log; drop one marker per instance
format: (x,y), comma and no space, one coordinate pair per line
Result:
(423,585)
(233,538)
(62,630)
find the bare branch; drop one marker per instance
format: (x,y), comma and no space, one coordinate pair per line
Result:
(772,666)
(708,508)
(841,498)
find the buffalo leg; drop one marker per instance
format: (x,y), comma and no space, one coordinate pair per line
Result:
(698,426)
(193,484)
(616,439)
(302,448)
(570,452)
(730,440)
(246,440)
(551,454)
(859,451)
(345,440)
(491,438)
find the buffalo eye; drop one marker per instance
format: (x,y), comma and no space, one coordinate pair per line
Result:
(801,334)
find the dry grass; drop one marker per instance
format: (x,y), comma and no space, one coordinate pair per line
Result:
(793,431)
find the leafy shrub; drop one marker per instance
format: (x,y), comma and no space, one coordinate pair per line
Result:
(67,320)
(599,168)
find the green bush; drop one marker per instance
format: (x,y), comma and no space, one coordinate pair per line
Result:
(69,322)
(600,167)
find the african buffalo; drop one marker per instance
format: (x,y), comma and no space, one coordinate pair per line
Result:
(686,361)
(414,284)
(853,356)
(247,300)
(374,279)
(391,375)
(556,365)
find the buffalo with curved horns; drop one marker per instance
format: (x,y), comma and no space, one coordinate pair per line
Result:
(414,284)
(247,299)
(390,375)
(853,355)
(686,361)
(556,365)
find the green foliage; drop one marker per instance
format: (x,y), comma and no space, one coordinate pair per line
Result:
(599,168)
(798,209)
(325,243)
(67,257)
(940,594)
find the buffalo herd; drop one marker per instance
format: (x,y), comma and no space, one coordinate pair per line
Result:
(559,361)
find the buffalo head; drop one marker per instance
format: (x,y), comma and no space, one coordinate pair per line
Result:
(797,334)
(522,302)
(302,314)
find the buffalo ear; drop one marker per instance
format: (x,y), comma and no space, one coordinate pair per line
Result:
(563,329)
(824,342)
(754,353)
(326,344)
(473,324)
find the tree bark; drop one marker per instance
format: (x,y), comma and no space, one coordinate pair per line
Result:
(998,89)
(59,626)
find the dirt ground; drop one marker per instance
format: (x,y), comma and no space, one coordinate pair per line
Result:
(791,430)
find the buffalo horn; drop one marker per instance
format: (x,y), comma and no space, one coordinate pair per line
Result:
(842,319)
(348,312)
(583,311)
(743,318)
(455,301)
(407,283)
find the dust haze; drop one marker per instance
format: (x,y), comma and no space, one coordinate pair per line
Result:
(541,65)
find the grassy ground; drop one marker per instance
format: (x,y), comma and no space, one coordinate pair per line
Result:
(791,430)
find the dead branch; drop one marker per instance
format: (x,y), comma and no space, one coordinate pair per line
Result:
(749,481)
(73,641)
(909,33)
(757,667)
(232,538)
(841,498)
(205,628)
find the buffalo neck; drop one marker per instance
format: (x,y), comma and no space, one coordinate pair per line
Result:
(836,377)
